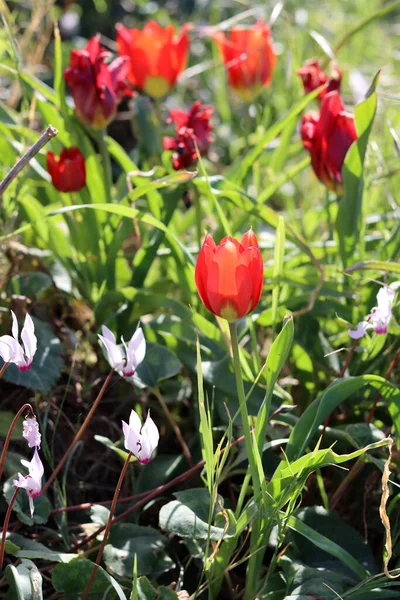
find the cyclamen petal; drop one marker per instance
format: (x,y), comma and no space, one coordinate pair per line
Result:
(126,358)
(31,483)
(12,351)
(141,441)
(31,432)
(379,317)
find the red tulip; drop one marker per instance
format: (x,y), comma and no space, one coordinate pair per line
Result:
(328,137)
(68,173)
(249,58)
(313,77)
(229,277)
(157,57)
(97,87)
(192,129)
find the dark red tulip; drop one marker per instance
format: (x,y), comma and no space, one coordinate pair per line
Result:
(229,277)
(97,87)
(192,129)
(68,173)
(313,77)
(327,137)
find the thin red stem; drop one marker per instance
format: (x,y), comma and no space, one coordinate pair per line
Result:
(23,409)
(3,368)
(108,527)
(5,526)
(153,494)
(79,434)
(86,505)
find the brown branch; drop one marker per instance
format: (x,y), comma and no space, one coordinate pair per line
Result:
(24,160)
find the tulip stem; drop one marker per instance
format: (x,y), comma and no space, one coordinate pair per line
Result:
(108,527)
(243,407)
(106,162)
(80,432)
(5,525)
(23,409)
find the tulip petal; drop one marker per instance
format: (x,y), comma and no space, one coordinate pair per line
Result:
(204,259)
(229,287)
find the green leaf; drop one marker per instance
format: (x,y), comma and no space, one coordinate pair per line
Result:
(144,590)
(275,360)
(330,525)
(325,544)
(125,541)
(348,222)
(23,547)
(188,516)
(239,172)
(159,364)
(316,413)
(277,270)
(112,446)
(47,363)
(25,581)
(72,578)
(375,265)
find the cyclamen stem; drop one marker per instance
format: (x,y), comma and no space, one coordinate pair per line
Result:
(108,527)
(24,408)
(79,434)
(3,368)
(5,526)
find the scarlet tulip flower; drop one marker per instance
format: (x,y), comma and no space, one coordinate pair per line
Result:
(192,129)
(313,77)
(68,173)
(249,58)
(157,56)
(327,138)
(97,87)
(229,277)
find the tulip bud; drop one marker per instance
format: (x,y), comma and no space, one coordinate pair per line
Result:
(192,133)
(229,277)
(313,77)
(97,87)
(68,173)
(157,57)
(327,137)
(249,58)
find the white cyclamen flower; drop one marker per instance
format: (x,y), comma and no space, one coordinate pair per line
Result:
(32,483)
(141,441)
(125,357)
(379,317)
(12,351)
(31,432)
